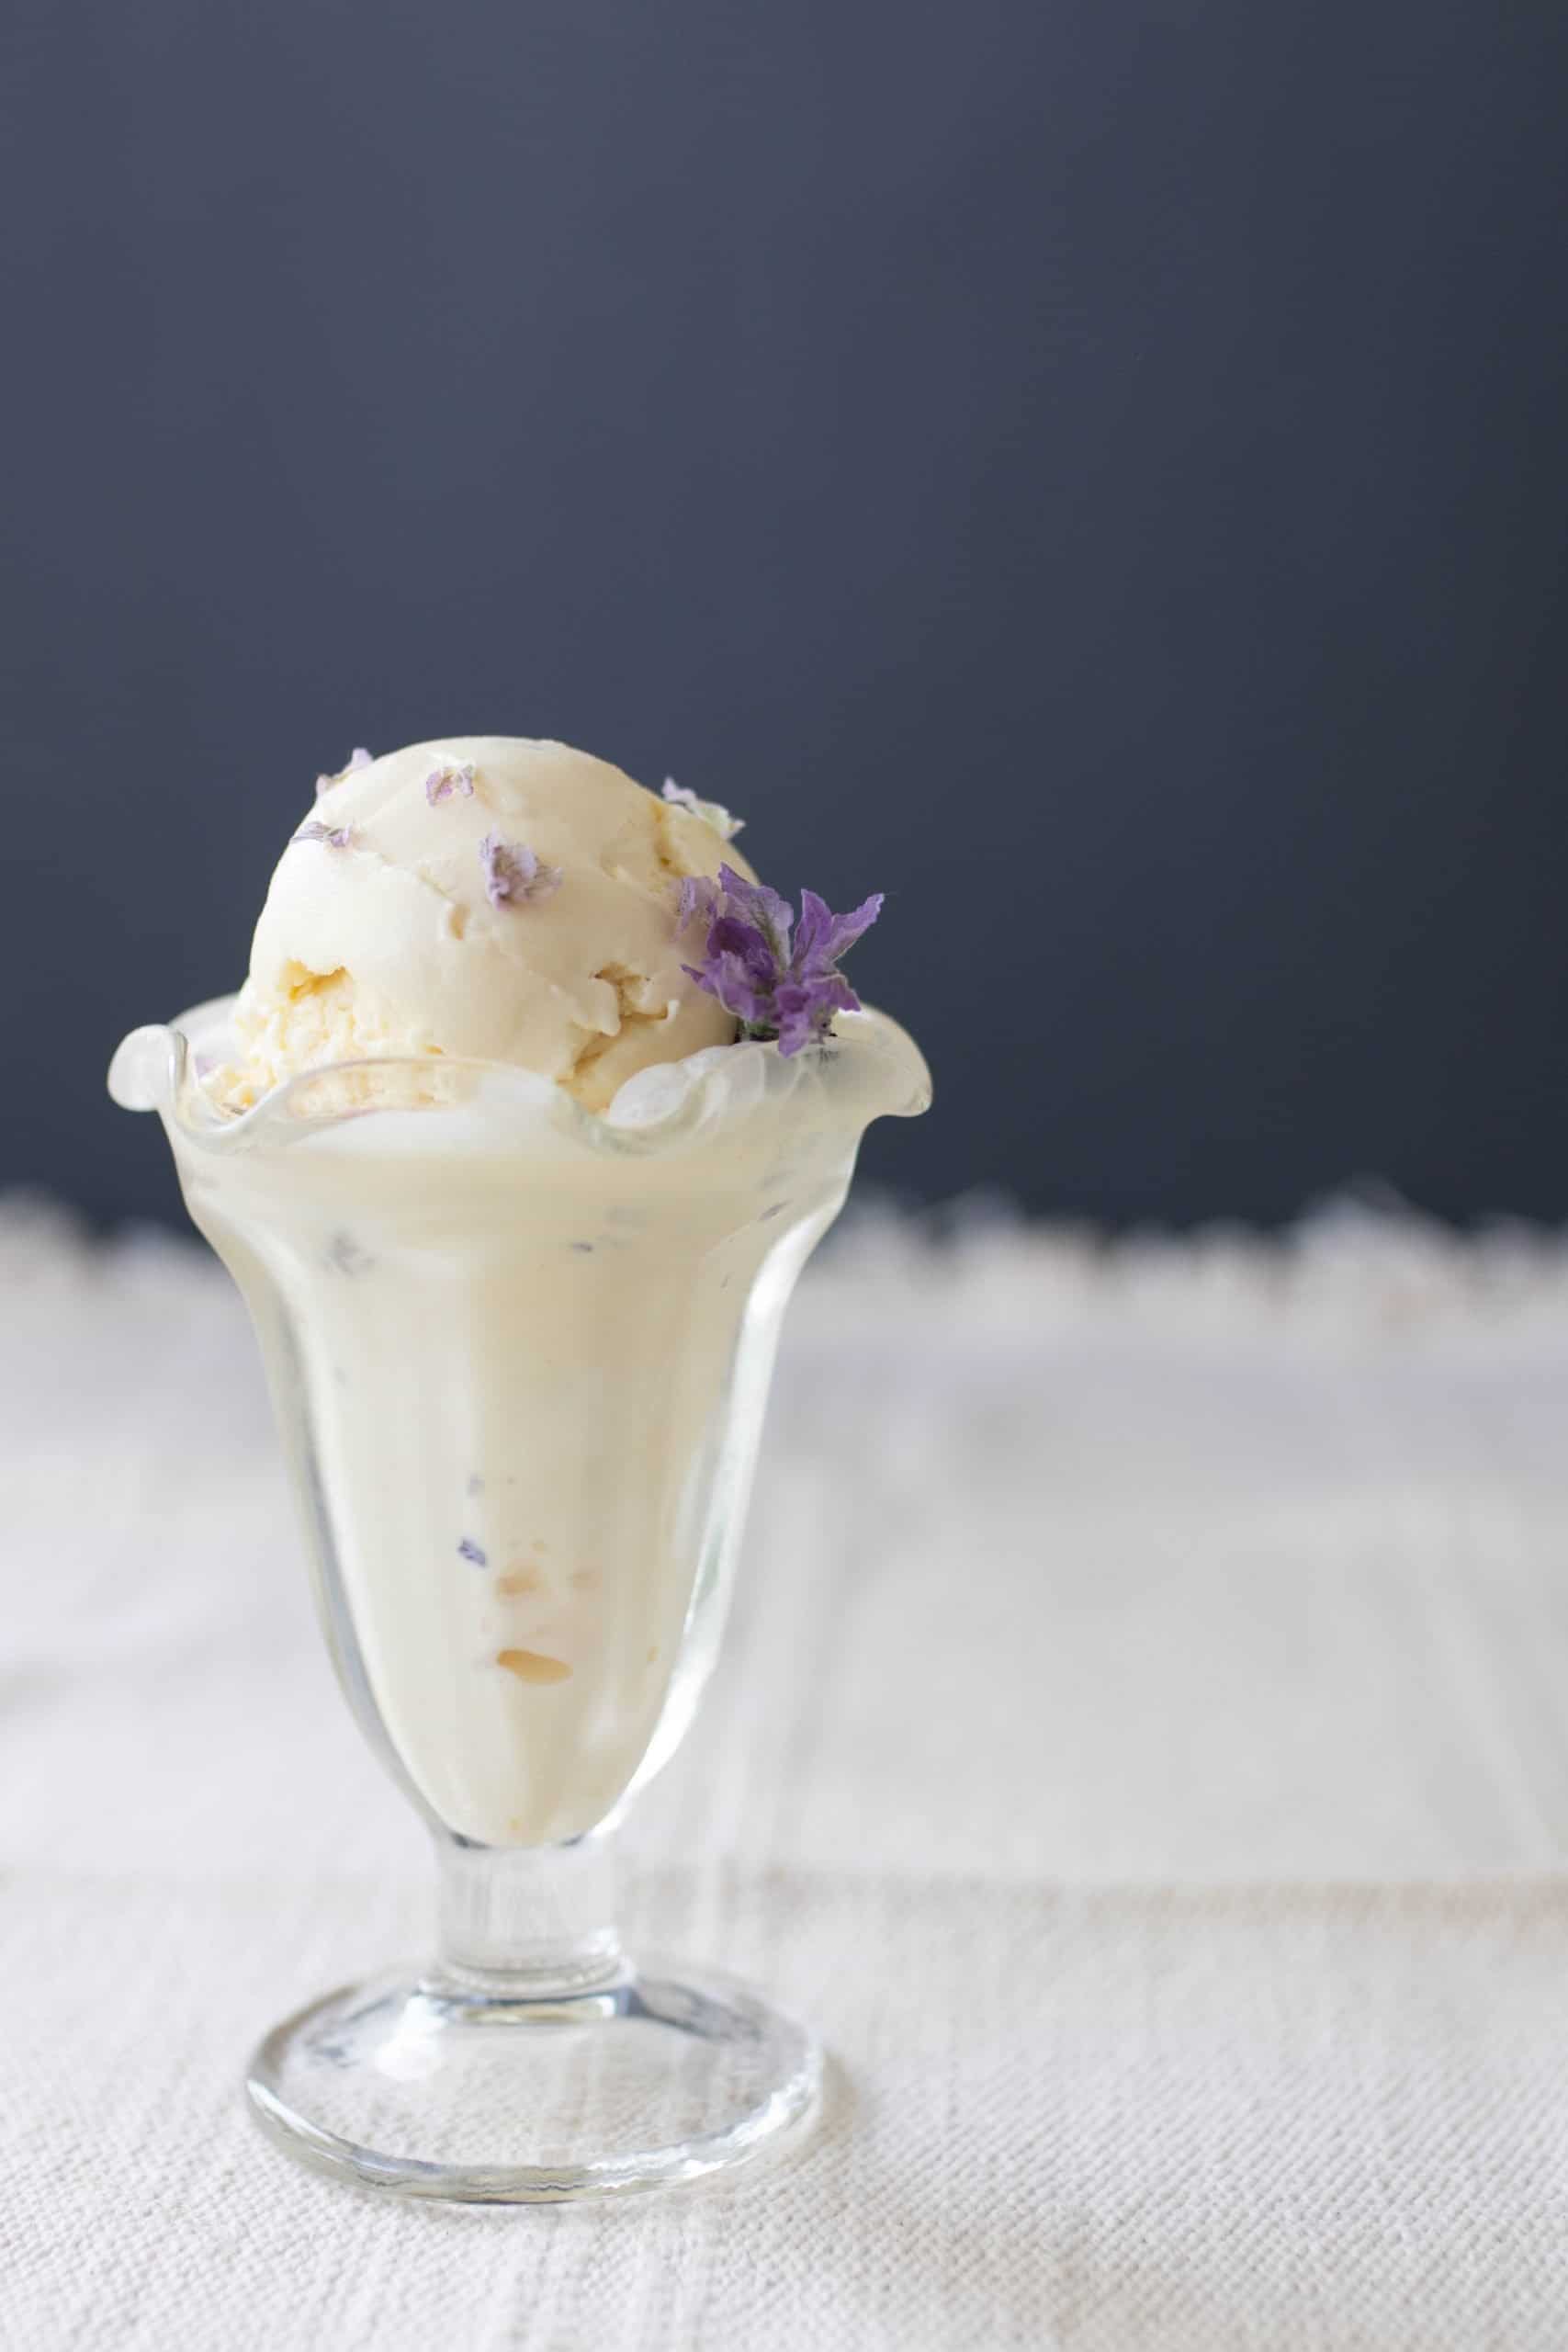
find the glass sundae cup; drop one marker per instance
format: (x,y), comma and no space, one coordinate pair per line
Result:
(519,1355)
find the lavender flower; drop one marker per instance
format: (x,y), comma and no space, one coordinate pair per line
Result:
(776,985)
(712,812)
(514,876)
(358,758)
(454,776)
(336,836)
(471,1552)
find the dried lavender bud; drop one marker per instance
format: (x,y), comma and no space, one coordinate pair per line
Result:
(514,876)
(457,777)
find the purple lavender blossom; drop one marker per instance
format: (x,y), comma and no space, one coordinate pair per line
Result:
(471,1552)
(452,776)
(336,836)
(775,985)
(514,876)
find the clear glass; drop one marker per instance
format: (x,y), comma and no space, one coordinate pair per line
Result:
(520,1356)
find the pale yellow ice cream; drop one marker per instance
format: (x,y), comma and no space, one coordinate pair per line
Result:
(389,929)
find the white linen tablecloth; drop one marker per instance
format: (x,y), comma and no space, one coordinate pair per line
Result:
(1142,1748)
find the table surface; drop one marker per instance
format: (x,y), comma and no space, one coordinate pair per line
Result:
(1142,1748)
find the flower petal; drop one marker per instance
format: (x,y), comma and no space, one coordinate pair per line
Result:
(515,876)
(755,903)
(824,936)
(453,777)
(695,896)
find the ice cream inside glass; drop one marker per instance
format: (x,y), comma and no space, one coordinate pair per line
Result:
(523,1123)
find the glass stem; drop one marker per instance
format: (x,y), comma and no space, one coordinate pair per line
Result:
(531,1922)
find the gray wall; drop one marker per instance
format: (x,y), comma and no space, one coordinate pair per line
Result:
(1094,469)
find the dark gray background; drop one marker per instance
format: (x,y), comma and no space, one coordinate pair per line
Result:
(1095,471)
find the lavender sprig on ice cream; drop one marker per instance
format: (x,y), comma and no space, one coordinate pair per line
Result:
(776,986)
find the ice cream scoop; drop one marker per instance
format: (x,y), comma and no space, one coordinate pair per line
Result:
(486,897)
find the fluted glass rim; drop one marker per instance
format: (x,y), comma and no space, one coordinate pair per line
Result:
(869,1068)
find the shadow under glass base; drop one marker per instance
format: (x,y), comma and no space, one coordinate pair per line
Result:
(421,2087)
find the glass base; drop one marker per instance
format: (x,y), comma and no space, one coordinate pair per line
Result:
(424,2087)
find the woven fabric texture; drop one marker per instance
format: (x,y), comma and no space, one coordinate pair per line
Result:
(1142,1749)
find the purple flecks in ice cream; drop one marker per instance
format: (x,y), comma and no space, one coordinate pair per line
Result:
(455,777)
(514,874)
(469,1550)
